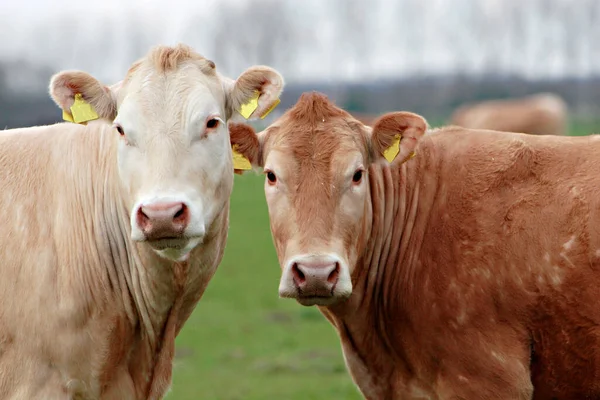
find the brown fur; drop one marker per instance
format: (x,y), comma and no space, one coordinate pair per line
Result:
(243,136)
(477,268)
(312,109)
(409,126)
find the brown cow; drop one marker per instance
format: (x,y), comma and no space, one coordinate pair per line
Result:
(111,232)
(471,270)
(540,114)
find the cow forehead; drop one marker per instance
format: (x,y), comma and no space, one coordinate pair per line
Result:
(316,136)
(316,148)
(169,86)
(166,101)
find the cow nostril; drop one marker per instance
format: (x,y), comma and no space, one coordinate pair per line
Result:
(333,276)
(298,275)
(181,214)
(142,218)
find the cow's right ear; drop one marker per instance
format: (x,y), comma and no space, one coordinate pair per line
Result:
(245,146)
(395,135)
(82,97)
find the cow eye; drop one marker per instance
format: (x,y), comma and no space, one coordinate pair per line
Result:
(212,123)
(271,177)
(119,129)
(357,177)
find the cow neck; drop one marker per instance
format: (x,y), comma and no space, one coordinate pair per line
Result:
(189,280)
(380,298)
(149,289)
(162,370)
(140,279)
(145,297)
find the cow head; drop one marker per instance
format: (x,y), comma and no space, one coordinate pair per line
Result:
(169,118)
(316,159)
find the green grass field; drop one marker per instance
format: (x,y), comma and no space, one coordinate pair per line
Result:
(583,127)
(242,341)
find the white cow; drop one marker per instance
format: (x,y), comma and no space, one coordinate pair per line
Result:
(111,232)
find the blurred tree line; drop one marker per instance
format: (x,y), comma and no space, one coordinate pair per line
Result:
(422,56)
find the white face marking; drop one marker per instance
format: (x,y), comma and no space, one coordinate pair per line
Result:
(353,200)
(569,244)
(486,273)
(556,276)
(498,357)
(180,255)
(169,155)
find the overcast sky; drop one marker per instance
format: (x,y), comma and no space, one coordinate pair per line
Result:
(312,39)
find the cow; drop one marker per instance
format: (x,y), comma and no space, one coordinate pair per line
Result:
(453,265)
(112,227)
(538,114)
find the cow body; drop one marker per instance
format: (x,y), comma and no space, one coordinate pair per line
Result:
(540,114)
(84,310)
(111,231)
(474,265)
(483,264)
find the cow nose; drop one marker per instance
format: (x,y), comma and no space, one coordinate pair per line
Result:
(163,220)
(315,279)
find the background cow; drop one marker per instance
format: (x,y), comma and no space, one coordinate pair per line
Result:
(540,114)
(469,267)
(110,233)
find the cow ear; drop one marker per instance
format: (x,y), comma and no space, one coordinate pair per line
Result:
(255,93)
(395,135)
(82,97)
(245,146)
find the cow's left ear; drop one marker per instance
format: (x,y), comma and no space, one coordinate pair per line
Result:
(254,94)
(395,135)
(245,146)
(82,97)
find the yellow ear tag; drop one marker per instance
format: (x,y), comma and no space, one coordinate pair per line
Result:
(391,152)
(247,109)
(275,104)
(239,161)
(82,111)
(67,116)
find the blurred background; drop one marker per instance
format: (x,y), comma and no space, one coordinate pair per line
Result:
(424,56)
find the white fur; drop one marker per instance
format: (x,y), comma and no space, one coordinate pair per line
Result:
(168,154)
